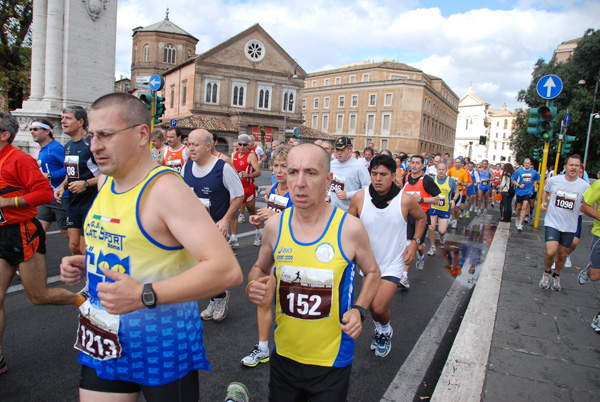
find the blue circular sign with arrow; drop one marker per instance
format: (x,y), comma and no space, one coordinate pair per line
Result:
(549,87)
(156,82)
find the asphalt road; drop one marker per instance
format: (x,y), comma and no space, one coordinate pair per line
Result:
(38,341)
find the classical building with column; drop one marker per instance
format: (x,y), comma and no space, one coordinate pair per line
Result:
(391,104)
(472,127)
(72,59)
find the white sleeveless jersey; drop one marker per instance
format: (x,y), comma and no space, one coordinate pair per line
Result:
(387,234)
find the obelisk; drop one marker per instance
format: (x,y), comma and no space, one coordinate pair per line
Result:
(72,60)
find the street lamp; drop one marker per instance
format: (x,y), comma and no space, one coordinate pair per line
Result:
(286,99)
(592,115)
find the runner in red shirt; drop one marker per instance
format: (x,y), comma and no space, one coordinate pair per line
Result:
(22,238)
(246,165)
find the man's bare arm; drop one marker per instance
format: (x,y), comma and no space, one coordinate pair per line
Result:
(356,204)
(259,274)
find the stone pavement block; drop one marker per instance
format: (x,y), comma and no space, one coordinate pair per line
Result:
(500,387)
(517,276)
(578,331)
(560,373)
(573,298)
(584,396)
(517,296)
(525,323)
(557,349)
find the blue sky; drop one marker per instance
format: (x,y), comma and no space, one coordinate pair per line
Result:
(489,45)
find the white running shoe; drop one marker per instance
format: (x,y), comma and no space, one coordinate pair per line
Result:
(403,283)
(220,307)
(443,238)
(431,250)
(454,222)
(545,281)
(568,263)
(233,242)
(258,238)
(255,357)
(207,314)
(241,219)
(420,263)
(556,283)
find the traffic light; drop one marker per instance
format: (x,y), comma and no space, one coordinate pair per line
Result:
(147,99)
(482,139)
(533,122)
(538,154)
(567,144)
(160,109)
(547,115)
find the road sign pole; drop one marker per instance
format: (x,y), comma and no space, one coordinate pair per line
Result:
(153,110)
(541,186)
(557,157)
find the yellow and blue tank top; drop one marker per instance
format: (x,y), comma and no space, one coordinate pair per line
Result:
(315,287)
(159,345)
(444,204)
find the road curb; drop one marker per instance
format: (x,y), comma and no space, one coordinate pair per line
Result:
(464,373)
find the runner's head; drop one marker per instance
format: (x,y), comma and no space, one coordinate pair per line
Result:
(416,165)
(436,160)
(119,131)
(174,137)
(327,146)
(527,163)
(343,149)
(484,164)
(280,163)
(442,169)
(41,131)
(458,163)
(308,176)
(200,143)
(573,166)
(383,173)
(157,138)
(74,120)
(368,153)
(8,125)
(243,144)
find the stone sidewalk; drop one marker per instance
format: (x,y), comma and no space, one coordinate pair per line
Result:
(542,347)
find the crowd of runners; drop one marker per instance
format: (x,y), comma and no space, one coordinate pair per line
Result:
(331,213)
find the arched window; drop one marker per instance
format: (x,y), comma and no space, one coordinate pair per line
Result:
(169,54)
(146,56)
(212,92)
(505,124)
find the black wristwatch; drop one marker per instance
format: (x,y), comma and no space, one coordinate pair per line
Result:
(148,296)
(421,200)
(361,310)
(86,184)
(418,241)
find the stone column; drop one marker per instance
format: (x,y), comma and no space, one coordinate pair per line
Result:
(38,49)
(54,51)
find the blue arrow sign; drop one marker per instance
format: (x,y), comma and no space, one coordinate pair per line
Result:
(549,87)
(567,119)
(156,82)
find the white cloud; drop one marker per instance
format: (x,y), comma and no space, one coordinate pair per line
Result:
(492,50)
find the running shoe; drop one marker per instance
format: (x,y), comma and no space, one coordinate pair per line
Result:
(556,283)
(478,211)
(583,276)
(468,215)
(443,238)
(258,238)
(404,282)
(255,357)
(595,325)
(431,251)
(241,219)
(519,227)
(233,242)
(221,307)
(385,344)
(237,392)
(375,340)
(485,210)
(553,267)
(568,263)
(545,281)
(460,215)
(526,220)
(454,222)
(3,366)
(420,263)
(207,314)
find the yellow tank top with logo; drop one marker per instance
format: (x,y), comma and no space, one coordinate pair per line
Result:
(315,287)
(444,204)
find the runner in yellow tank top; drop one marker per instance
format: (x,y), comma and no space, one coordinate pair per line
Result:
(315,248)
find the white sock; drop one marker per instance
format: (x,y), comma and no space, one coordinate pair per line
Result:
(386,329)
(233,237)
(263,345)
(377,326)
(259,230)
(420,257)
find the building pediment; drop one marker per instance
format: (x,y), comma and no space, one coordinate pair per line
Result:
(252,49)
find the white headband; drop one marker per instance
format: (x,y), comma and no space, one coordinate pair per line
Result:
(41,125)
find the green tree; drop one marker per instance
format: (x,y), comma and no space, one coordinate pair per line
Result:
(576,98)
(15,49)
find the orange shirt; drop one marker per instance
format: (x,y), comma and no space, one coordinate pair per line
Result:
(462,176)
